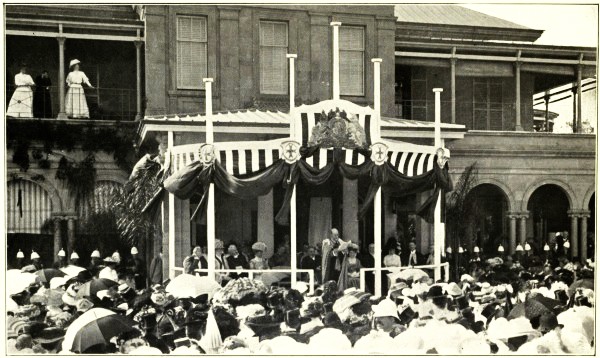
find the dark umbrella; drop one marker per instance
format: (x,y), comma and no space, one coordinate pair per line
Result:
(530,309)
(549,303)
(92,287)
(96,326)
(584,283)
(45,275)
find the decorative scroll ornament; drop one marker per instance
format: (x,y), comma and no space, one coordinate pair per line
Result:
(291,151)
(207,154)
(338,130)
(442,159)
(379,153)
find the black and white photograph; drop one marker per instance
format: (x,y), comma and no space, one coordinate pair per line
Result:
(272,178)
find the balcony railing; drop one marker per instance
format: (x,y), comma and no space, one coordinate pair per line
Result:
(103,103)
(495,116)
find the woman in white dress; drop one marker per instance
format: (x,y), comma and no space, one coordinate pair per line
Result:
(75,103)
(21,103)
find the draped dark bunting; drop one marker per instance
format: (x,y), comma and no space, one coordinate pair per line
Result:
(196,177)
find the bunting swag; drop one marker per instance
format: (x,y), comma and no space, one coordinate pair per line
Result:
(195,178)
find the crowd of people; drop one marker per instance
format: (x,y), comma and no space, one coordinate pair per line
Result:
(529,305)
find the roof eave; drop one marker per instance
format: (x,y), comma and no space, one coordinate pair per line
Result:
(422,30)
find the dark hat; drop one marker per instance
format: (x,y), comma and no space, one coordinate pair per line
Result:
(196,314)
(332,320)
(490,310)
(263,325)
(548,322)
(407,314)
(49,335)
(436,295)
(462,302)
(127,292)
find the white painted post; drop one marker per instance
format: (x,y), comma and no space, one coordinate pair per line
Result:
(170,144)
(336,58)
(377,95)
(438,228)
(291,57)
(293,243)
(210,210)
(377,241)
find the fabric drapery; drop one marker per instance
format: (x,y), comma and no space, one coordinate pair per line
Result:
(196,177)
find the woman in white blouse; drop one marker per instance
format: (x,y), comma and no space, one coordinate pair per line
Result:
(21,103)
(75,103)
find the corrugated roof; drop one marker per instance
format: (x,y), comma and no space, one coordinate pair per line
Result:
(450,15)
(267,117)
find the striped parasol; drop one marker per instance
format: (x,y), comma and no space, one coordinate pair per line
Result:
(349,299)
(90,288)
(96,326)
(239,288)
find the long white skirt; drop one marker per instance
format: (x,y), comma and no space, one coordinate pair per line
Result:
(75,103)
(21,103)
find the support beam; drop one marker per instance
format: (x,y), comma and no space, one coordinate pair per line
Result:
(438,228)
(518,126)
(523,228)
(336,59)
(70,235)
(61,77)
(573,235)
(547,113)
(171,215)
(138,78)
(512,239)
(584,222)
(377,240)
(579,75)
(293,237)
(57,235)
(291,58)
(210,209)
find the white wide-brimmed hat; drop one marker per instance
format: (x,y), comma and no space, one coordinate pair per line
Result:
(385,308)
(74,62)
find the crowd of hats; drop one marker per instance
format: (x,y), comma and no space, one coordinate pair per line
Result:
(506,311)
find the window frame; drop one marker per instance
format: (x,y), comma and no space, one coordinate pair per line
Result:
(205,41)
(363,58)
(260,47)
(488,106)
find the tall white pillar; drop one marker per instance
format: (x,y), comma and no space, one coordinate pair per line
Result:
(61,75)
(138,78)
(438,228)
(336,59)
(210,210)
(171,216)
(377,240)
(293,236)
(291,58)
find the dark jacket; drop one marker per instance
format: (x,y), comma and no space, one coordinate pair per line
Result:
(235,262)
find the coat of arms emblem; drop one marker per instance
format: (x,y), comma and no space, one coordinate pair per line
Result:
(291,151)
(379,153)
(207,154)
(338,130)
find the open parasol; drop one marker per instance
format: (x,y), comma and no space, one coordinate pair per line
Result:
(269,278)
(72,270)
(91,288)
(96,326)
(45,275)
(408,274)
(239,288)
(186,285)
(17,281)
(529,309)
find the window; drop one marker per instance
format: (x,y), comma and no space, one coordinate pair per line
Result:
(192,64)
(352,60)
(273,63)
(487,104)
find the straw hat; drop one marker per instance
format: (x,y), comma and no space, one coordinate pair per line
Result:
(74,62)
(219,244)
(259,246)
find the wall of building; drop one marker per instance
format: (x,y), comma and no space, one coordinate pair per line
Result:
(233,52)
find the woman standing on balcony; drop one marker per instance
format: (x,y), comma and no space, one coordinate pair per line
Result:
(75,103)
(21,103)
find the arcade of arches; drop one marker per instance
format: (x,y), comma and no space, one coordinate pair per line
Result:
(549,210)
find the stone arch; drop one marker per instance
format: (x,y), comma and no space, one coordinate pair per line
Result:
(588,196)
(566,188)
(510,197)
(57,205)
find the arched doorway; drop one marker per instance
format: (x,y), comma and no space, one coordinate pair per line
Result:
(486,214)
(547,206)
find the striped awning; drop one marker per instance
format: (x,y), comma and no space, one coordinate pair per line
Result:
(28,207)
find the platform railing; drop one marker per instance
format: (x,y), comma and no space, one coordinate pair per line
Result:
(251,273)
(445,266)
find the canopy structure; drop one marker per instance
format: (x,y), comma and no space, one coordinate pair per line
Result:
(324,137)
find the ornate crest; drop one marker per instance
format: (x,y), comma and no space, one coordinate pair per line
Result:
(442,159)
(337,129)
(207,154)
(379,153)
(291,151)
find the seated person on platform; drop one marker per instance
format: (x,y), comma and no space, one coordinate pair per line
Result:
(281,257)
(236,261)
(258,262)
(391,259)
(350,272)
(311,261)
(413,257)
(195,261)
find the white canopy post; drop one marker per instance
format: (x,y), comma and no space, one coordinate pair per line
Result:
(210,210)
(171,253)
(377,202)
(292,57)
(438,227)
(336,58)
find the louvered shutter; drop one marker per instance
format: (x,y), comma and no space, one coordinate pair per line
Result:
(28,207)
(352,60)
(192,64)
(273,63)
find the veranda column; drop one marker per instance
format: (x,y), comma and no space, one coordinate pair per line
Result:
(293,213)
(573,234)
(210,210)
(584,221)
(579,77)
(138,79)
(61,75)
(171,216)
(523,228)
(336,59)
(57,234)
(512,239)
(71,234)
(453,86)
(518,126)
(377,210)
